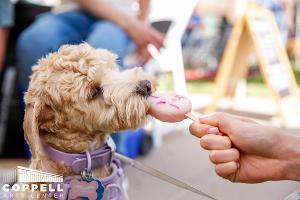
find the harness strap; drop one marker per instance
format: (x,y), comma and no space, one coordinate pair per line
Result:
(87,161)
(113,189)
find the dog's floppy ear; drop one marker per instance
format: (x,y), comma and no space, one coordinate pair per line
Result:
(94,80)
(31,128)
(93,90)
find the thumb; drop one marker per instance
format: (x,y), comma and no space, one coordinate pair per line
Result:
(221,120)
(212,120)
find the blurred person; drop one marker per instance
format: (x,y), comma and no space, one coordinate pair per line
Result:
(6,21)
(117,25)
(289,7)
(247,151)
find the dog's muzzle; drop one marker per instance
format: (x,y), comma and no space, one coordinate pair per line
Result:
(144,88)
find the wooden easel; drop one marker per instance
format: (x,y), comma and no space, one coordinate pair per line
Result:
(255,31)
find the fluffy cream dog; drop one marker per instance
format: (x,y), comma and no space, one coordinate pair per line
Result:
(76,97)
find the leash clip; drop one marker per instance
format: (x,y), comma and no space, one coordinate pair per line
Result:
(86,175)
(111,144)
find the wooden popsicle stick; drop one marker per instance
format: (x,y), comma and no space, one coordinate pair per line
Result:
(192,116)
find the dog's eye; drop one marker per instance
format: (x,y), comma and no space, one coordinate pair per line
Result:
(95,92)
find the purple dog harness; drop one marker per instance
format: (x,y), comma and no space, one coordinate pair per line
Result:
(84,163)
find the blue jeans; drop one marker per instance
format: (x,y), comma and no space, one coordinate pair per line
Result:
(6,13)
(50,31)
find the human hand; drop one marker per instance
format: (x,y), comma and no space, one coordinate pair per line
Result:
(143,34)
(248,152)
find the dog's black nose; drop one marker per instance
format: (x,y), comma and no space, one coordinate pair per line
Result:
(144,88)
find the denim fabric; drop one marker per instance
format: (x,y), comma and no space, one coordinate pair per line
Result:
(6,13)
(50,31)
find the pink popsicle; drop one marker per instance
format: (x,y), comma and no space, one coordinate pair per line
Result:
(172,107)
(169,106)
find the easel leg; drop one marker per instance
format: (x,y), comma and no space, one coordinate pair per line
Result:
(234,64)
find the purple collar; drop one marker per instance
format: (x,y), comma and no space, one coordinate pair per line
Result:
(79,162)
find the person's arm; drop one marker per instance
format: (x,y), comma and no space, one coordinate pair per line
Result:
(141,33)
(6,21)
(106,10)
(144,9)
(291,154)
(3,42)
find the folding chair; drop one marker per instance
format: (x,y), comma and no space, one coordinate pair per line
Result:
(170,59)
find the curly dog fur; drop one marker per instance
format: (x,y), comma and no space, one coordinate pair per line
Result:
(76,97)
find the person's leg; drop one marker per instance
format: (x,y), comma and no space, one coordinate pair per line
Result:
(107,35)
(47,34)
